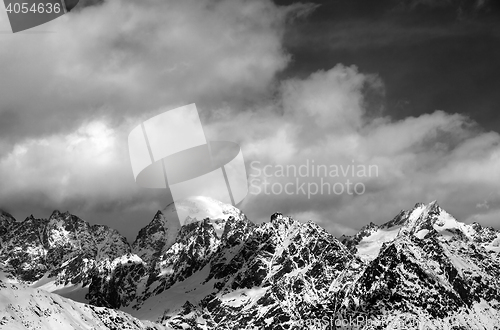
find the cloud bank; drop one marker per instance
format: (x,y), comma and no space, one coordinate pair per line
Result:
(324,119)
(69,99)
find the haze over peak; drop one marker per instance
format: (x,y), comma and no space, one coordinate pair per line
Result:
(198,208)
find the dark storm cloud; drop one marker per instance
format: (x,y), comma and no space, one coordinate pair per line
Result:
(121,59)
(431,54)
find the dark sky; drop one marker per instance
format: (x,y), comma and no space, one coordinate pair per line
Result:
(432,55)
(407,86)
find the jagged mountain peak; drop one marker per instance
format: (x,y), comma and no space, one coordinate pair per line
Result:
(58,214)
(273,275)
(419,220)
(276,216)
(6,220)
(68,223)
(161,221)
(198,208)
(286,229)
(283,269)
(157,236)
(161,233)
(32,218)
(66,217)
(424,220)
(431,219)
(6,216)
(408,217)
(410,274)
(279,221)
(59,250)
(419,204)
(288,224)
(437,279)
(422,217)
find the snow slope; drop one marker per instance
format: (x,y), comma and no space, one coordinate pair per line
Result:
(420,221)
(221,271)
(24,308)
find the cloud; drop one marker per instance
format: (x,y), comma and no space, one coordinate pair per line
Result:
(324,120)
(72,96)
(446,3)
(73,89)
(68,170)
(123,58)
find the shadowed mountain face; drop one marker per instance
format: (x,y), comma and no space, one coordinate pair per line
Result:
(5,220)
(220,270)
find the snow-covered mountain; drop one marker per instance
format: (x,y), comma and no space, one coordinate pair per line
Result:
(68,256)
(422,220)
(160,234)
(59,254)
(220,270)
(23,308)
(5,221)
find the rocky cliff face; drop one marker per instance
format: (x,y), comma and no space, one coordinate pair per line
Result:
(5,221)
(63,248)
(423,268)
(220,270)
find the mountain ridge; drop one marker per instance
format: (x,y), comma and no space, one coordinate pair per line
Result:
(421,266)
